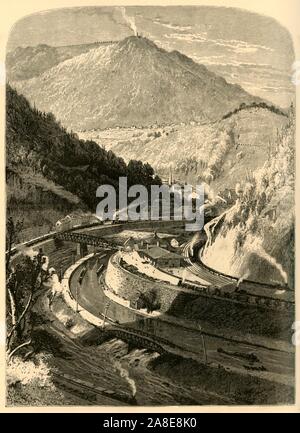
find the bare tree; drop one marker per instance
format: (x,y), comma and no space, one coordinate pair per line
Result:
(23,281)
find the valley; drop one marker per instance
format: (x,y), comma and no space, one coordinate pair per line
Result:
(209,152)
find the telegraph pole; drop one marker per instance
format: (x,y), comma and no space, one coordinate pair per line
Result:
(203,344)
(105,312)
(76,295)
(60,273)
(80,279)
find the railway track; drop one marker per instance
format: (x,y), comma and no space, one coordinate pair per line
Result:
(89,391)
(266,296)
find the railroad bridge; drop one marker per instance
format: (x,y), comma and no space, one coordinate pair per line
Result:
(134,338)
(83,240)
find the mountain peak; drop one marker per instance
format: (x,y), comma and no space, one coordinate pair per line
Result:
(137,42)
(132,83)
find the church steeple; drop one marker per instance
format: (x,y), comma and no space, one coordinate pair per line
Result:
(170,176)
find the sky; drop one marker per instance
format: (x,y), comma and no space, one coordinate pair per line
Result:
(252,50)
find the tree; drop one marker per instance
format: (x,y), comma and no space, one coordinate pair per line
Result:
(23,282)
(12,231)
(150,300)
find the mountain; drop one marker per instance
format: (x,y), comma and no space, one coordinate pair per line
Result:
(132,83)
(28,62)
(47,166)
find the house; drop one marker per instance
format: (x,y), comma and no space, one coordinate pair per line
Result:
(155,240)
(271,212)
(163,258)
(174,243)
(75,219)
(65,223)
(130,245)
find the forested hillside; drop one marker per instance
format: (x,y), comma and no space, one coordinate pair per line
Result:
(254,239)
(46,161)
(35,140)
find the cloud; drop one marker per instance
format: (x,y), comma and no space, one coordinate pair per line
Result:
(209,60)
(239,46)
(245,50)
(171,26)
(235,46)
(278,88)
(188,37)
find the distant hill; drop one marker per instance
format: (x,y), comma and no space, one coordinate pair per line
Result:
(272,108)
(28,62)
(219,153)
(132,82)
(48,165)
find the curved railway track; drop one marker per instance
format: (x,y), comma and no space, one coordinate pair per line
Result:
(250,292)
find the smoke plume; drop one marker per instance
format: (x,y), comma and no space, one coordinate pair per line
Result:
(255,246)
(242,278)
(27,251)
(129,20)
(125,374)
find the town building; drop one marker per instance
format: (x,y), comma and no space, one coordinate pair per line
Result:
(131,244)
(162,258)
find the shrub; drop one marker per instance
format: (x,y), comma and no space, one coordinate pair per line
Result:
(69,323)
